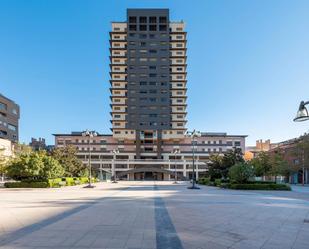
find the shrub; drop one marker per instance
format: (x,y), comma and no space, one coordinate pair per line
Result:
(204,181)
(55,183)
(240,172)
(83,180)
(217,182)
(26,185)
(254,186)
(70,181)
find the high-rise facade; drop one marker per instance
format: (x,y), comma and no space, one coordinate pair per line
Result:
(9,117)
(148,79)
(148,88)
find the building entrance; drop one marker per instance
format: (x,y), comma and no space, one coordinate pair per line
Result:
(148,176)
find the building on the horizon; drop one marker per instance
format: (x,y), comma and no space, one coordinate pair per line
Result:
(260,145)
(9,118)
(148,88)
(40,144)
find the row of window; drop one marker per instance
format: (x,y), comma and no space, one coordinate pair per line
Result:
(4,107)
(151,27)
(151,36)
(176,53)
(150,19)
(117,108)
(9,126)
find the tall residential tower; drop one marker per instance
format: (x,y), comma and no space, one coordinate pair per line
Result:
(148,80)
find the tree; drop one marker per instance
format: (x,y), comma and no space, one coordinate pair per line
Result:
(72,165)
(219,165)
(231,158)
(279,166)
(241,172)
(34,166)
(3,163)
(261,164)
(214,166)
(301,152)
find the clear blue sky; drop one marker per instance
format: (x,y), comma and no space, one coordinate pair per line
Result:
(248,63)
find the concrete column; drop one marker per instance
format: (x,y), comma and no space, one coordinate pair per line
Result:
(184,168)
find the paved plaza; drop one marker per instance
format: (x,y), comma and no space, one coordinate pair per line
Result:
(153,215)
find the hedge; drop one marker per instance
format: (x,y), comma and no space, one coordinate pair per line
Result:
(26,185)
(255,186)
(50,183)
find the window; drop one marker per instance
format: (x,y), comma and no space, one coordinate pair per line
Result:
(152,75)
(132,43)
(237,143)
(229,143)
(143,27)
(152,99)
(132,19)
(14,111)
(132,34)
(12,127)
(163,99)
(142,36)
(163,83)
(153,19)
(143,44)
(162,27)
(142,59)
(142,19)
(162,19)
(153,91)
(3,106)
(152,51)
(152,67)
(132,27)
(152,36)
(152,28)
(152,59)
(143,83)
(179,29)
(179,45)
(152,83)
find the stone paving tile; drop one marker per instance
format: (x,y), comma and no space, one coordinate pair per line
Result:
(122,218)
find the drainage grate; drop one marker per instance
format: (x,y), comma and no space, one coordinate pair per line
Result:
(306,220)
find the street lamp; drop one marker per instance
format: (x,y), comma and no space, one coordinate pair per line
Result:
(89,134)
(113,165)
(175,172)
(302,113)
(193,134)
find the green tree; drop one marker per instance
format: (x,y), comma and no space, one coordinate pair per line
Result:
(261,164)
(3,163)
(34,166)
(231,158)
(72,165)
(279,166)
(214,166)
(241,172)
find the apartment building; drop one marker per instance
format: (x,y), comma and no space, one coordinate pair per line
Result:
(148,85)
(9,118)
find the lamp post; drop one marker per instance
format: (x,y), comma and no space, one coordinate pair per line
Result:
(89,134)
(175,172)
(113,165)
(193,134)
(302,113)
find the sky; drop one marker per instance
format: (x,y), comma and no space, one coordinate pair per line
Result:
(248,64)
